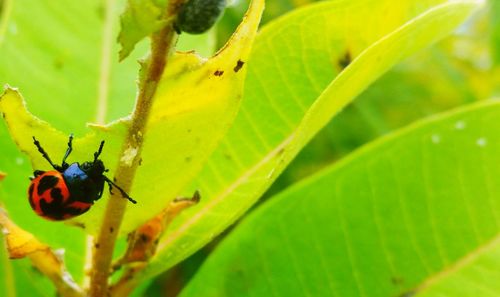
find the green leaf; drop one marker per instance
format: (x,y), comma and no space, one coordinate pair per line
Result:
(416,210)
(63,57)
(193,94)
(296,83)
(56,53)
(140,19)
(19,278)
(460,75)
(495,34)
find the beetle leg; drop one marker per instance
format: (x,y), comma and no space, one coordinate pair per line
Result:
(124,194)
(99,151)
(110,188)
(68,151)
(38,172)
(44,154)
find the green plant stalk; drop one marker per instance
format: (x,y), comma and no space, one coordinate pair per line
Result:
(102,105)
(161,45)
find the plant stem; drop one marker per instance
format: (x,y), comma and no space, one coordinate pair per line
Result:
(161,44)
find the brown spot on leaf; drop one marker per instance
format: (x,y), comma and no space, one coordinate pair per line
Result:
(100,11)
(58,63)
(145,238)
(396,280)
(407,294)
(345,60)
(189,200)
(111,230)
(218,72)
(128,277)
(238,66)
(97,245)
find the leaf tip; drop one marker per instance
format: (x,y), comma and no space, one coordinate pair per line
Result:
(11,92)
(242,39)
(125,49)
(7,89)
(10,95)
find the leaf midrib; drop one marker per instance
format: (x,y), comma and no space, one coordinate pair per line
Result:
(227,191)
(458,265)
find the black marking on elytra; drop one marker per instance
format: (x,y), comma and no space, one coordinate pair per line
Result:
(46,183)
(218,72)
(56,194)
(53,210)
(32,203)
(238,66)
(75,211)
(30,191)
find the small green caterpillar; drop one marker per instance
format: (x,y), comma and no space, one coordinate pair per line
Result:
(197,16)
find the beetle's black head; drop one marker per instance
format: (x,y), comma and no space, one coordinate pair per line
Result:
(94,169)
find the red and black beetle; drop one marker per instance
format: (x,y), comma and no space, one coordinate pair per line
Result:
(70,189)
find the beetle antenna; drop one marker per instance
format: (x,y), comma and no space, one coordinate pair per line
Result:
(124,194)
(44,153)
(99,151)
(68,151)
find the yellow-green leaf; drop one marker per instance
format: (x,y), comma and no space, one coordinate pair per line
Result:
(195,103)
(305,68)
(22,244)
